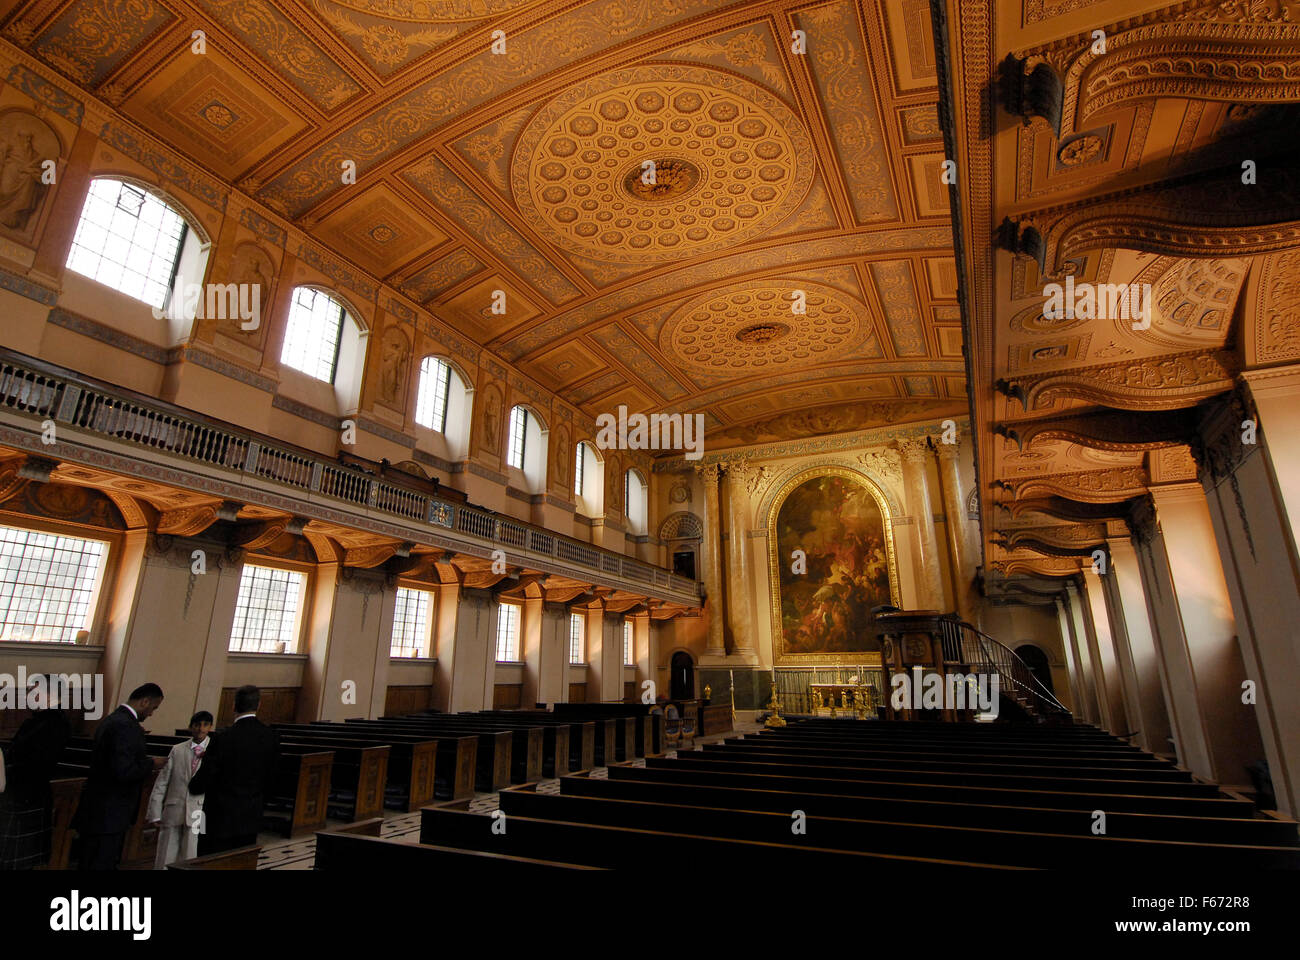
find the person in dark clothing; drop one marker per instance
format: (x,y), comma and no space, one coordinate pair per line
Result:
(119,766)
(32,760)
(234,776)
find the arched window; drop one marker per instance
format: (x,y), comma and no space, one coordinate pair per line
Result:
(588,480)
(526,442)
(129,240)
(435,391)
(628,659)
(635,502)
(313,333)
(518,437)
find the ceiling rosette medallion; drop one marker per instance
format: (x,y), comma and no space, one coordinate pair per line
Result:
(731,162)
(751,327)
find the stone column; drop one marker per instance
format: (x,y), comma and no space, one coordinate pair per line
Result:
(531,651)
(1253,491)
(645,650)
(470,671)
(159,595)
(1071,657)
(960,557)
(1074,604)
(1134,645)
(930,593)
(1102,644)
(740,579)
(1195,631)
(444,643)
(711,561)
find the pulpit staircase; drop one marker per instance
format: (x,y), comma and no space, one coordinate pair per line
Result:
(977,652)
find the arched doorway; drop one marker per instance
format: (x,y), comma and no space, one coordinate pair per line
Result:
(681,684)
(1037,663)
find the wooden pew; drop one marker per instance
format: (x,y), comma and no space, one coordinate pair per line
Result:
(505,754)
(1151,826)
(412,761)
(635,733)
(241,858)
(360,855)
(357,777)
(1060,767)
(578,735)
(66,793)
(614,847)
(818,769)
(899,837)
(887,745)
(300,789)
(555,738)
(769,778)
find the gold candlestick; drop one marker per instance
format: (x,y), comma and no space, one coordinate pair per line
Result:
(775,720)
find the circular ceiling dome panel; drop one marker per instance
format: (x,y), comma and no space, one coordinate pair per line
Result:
(660,163)
(751,327)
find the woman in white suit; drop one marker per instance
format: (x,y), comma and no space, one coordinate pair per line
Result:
(171,805)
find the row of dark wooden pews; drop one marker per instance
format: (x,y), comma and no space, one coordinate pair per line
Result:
(913,797)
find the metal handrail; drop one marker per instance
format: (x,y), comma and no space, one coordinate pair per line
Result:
(1009,665)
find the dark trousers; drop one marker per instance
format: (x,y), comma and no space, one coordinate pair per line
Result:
(210,844)
(101,851)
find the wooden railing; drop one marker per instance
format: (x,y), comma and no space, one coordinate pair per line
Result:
(43,391)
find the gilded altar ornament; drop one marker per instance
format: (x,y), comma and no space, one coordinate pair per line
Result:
(708,692)
(775,720)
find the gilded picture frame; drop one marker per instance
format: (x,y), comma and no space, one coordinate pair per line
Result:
(781,657)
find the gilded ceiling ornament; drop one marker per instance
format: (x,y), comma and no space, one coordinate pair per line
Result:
(1193,301)
(434,11)
(729,161)
(750,327)
(740,50)
(1079,150)
(883,463)
(1277,311)
(266,30)
(383,43)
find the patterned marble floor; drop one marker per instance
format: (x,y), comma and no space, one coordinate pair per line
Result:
(300,852)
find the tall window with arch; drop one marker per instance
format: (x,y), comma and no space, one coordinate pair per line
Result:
(518,437)
(628,659)
(435,391)
(129,240)
(526,449)
(313,333)
(636,502)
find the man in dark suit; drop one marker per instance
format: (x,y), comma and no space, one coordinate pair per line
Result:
(119,766)
(234,776)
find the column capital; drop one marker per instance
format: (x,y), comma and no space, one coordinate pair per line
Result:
(709,472)
(946,451)
(912,451)
(1142,521)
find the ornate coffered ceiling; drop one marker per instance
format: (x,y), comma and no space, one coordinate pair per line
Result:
(1106,145)
(520,170)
